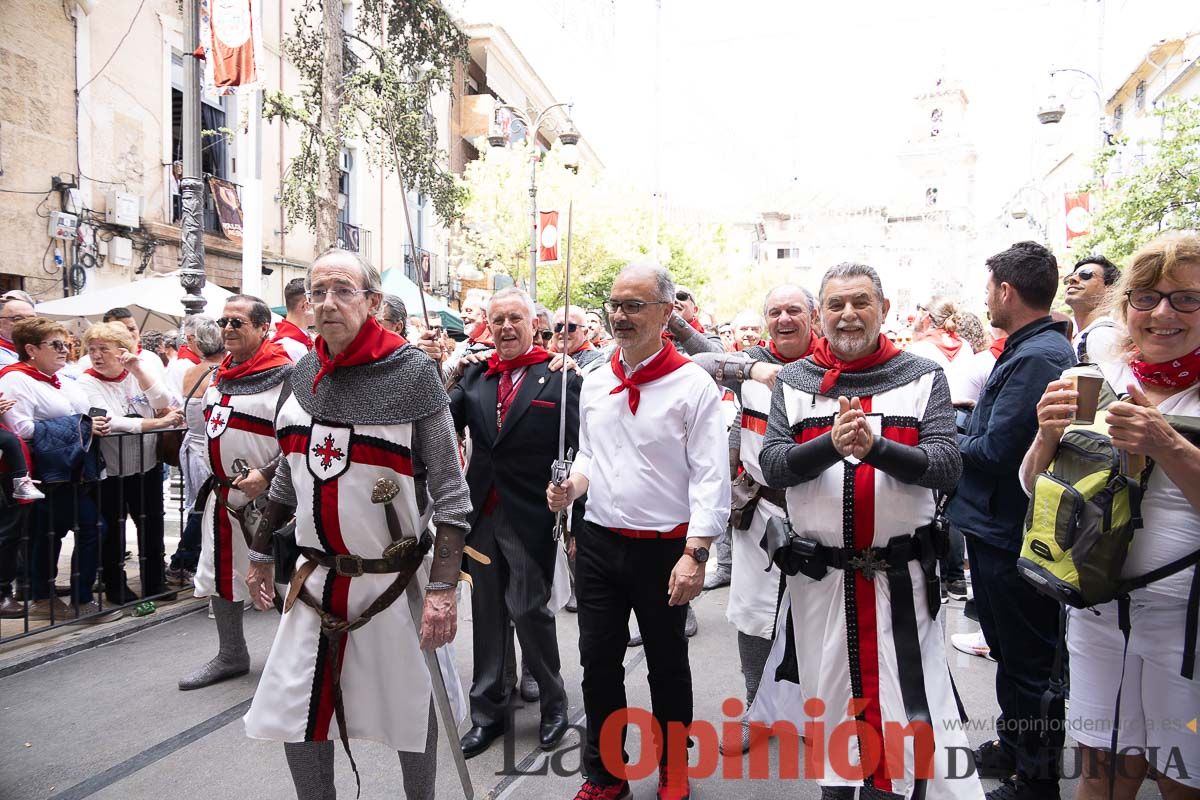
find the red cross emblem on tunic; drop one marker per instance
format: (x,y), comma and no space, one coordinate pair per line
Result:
(327,452)
(216,422)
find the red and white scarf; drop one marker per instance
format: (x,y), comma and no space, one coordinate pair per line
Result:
(667,361)
(268,356)
(27,368)
(289,330)
(1178,374)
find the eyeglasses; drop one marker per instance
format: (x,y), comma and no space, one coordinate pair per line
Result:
(58,345)
(630,307)
(571,327)
(342,294)
(1185,301)
(545,336)
(683,297)
(1080,274)
(233,322)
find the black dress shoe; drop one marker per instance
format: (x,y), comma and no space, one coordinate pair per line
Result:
(552,729)
(480,738)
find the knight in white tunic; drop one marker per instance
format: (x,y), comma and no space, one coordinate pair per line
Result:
(861,434)
(365,407)
(242,454)
(756,585)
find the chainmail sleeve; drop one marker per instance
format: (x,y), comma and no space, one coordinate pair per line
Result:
(281,490)
(435,453)
(938,438)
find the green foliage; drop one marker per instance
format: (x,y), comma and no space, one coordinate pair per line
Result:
(611,227)
(1160,194)
(402,53)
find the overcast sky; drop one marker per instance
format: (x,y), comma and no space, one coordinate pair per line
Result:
(760,95)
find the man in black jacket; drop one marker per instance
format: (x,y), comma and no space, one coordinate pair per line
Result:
(1019,624)
(511,406)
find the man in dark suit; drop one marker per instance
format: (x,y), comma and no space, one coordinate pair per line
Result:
(511,406)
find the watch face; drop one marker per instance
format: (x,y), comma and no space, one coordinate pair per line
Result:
(700,554)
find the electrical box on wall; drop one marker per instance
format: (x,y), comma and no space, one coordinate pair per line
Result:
(124,209)
(63,225)
(120,251)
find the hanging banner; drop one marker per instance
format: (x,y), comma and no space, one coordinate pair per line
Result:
(229,208)
(231,34)
(1079,214)
(548,237)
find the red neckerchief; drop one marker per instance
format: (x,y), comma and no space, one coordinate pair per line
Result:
(289,330)
(480,334)
(808,352)
(102,377)
(997,346)
(667,361)
(268,356)
(947,342)
(372,343)
(587,345)
(7,345)
(1178,374)
(496,365)
(186,354)
(823,356)
(26,368)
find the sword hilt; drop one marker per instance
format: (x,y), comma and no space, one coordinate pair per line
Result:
(560,470)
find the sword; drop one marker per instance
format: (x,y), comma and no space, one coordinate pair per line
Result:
(560,470)
(383,493)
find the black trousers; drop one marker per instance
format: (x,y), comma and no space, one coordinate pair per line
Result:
(952,564)
(12,522)
(613,576)
(514,589)
(1020,625)
(139,496)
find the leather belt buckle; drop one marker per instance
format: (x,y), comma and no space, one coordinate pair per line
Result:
(868,562)
(354,571)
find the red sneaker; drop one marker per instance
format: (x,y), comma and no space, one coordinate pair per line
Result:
(596,791)
(672,786)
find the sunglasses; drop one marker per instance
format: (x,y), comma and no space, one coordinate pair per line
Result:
(545,336)
(1080,274)
(571,326)
(683,297)
(57,345)
(234,322)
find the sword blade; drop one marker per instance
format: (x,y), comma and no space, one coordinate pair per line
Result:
(440,695)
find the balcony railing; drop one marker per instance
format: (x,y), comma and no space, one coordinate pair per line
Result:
(421,269)
(356,239)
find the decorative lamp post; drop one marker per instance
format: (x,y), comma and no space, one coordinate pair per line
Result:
(1052,111)
(569,138)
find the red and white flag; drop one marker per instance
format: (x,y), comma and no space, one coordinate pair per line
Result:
(231,33)
(547,237)
(1079,214)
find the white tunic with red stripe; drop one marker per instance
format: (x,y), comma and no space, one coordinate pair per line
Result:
(385,684)
(237,427)
(754,584)
(843,623)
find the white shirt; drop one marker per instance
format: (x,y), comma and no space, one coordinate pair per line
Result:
(295,350)
(37,400)
(1102,340)
(967,382)
(175,372)
(127,405)
(7,356)
(667,464)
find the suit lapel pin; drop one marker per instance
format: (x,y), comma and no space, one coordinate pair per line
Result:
(542,379)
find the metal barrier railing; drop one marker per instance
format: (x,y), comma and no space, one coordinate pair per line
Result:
(95,514)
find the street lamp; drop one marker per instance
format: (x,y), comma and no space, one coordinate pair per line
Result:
(1052,111)
(569,138)
(1018,210)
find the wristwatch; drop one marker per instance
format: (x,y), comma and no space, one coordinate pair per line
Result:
(698,553)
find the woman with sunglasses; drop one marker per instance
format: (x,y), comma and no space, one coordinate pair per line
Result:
(1157,300)
(137,401)
(45,404)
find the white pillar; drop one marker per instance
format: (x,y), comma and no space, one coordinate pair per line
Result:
(249,152)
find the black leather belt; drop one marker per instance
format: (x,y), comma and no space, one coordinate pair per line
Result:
(395,558)
(776,497)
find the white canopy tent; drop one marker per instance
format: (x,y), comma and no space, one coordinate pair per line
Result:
(156,303)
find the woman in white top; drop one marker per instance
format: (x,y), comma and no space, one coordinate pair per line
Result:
(40,396)
(1158,301)
(193,459)
(137,401)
